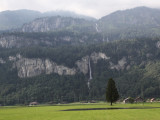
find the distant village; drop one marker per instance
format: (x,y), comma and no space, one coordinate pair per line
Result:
(125,101)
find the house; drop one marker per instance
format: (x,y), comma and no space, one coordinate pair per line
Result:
(92,101)
(33,103)
(152,100)
(127,100)
(139,99)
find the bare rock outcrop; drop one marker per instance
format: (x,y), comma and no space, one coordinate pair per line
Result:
(12,41)
(121,64)
(158,44)
(83,64)
(55,23)
(34,67)
(97,56)
(14,58)
(2,61)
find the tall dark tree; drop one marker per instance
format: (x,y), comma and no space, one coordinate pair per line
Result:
(111,91)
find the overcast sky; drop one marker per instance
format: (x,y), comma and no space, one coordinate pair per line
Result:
(94,8)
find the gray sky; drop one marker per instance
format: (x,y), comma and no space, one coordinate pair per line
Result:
(94,8)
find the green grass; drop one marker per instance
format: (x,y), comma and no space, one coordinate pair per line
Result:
(54,113)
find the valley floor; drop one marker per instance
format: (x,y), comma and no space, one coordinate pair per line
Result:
(145,111)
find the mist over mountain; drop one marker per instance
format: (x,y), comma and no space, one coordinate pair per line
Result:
(57,23)
(131,23)
(136,22)
(15,19)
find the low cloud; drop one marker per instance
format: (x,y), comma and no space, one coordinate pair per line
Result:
(95,8)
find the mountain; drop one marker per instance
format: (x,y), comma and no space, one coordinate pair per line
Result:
(63,59)
(79,72)
(68,14)
(57,23)
(132,23)
(136,22)
(15,19)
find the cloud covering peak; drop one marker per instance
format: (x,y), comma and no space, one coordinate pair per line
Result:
(94,8)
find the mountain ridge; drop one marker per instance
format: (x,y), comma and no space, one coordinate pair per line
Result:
(15,19)
(130,23)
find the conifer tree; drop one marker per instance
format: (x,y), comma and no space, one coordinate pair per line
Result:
(111,91)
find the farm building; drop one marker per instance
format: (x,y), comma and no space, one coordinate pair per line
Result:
(127,100)
(152,100)
(138,99)
(33,103)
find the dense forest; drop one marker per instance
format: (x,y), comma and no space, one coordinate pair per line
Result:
(138,77)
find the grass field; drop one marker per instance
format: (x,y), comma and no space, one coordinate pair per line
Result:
(55,113)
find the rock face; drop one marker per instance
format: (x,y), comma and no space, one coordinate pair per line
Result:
(24,40)
(14,41)
(97,56)
(158,44)
(83,65)
(55,23)
(34,67)
(30,67)
(7,42)
(14,58)
(2,61)
(11,41)
(121,64)
(52,67)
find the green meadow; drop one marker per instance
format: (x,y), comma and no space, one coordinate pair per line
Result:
(145,111)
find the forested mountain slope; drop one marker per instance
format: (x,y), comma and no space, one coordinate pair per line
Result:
(133,64)
(131,23)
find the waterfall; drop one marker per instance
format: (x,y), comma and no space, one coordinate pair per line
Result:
(97,27)
(107,39)
(90,70)
(90,73)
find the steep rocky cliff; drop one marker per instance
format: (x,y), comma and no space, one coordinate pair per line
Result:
(10,41)
(121,64)
(83,64)
(2,61)
(33,67)
(58,23)
(18,40)
(97,56)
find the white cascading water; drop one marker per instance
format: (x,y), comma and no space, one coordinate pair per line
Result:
(90,73)
(97,27)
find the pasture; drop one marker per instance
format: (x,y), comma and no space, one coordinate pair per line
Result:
(147,111)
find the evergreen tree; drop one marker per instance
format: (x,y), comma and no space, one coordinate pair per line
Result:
(111,92)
